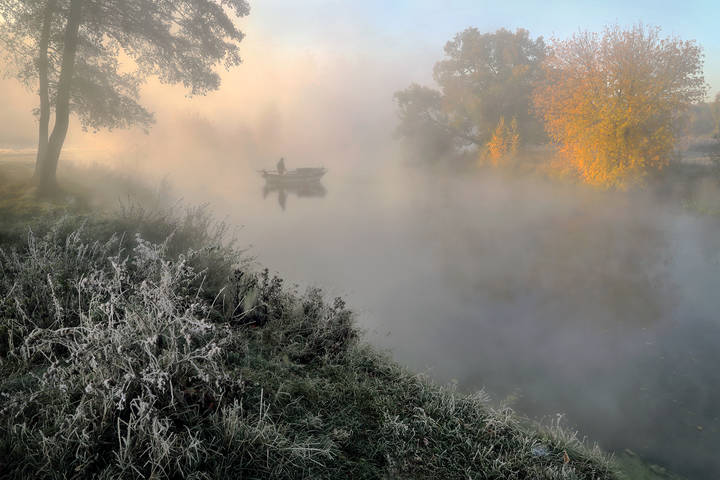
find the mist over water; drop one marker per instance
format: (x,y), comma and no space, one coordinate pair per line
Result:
(555,298)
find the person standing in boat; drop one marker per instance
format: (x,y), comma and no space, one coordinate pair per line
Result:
(281,166)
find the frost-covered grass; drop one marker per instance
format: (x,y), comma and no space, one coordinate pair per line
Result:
(143,346)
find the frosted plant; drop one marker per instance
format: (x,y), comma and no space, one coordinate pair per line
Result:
(122,352)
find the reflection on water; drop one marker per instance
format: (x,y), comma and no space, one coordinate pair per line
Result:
(308,189)
(601,306)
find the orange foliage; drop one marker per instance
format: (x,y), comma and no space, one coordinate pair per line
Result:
(503,142)
(611,102)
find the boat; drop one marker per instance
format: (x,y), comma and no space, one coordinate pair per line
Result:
(296,176)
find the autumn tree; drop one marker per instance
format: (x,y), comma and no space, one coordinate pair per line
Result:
(611,102)
(504,142)
(71,52)
(483,77)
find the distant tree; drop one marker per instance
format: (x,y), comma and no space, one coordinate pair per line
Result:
(611,101)
(424,120)
(482,78)
(716,115)
(89,57)
(699,120)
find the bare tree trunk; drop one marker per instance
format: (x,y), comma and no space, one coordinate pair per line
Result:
(47,181)
(43,68)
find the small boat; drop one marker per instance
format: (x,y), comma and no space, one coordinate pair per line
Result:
(299,175)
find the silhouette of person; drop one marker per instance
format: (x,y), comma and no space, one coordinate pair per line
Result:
(281,166)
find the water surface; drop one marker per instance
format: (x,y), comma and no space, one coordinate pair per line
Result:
(555,298)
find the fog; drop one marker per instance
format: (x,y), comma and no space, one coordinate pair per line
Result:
(554,297)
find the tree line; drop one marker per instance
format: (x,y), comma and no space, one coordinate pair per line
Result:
(613,103)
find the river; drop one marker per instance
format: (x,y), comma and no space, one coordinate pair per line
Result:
(554,298)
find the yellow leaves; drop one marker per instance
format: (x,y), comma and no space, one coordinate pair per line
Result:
(610,102)
(497,146)
(504,142)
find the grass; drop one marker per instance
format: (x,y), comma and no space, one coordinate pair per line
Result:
(143,345)
(84,190)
